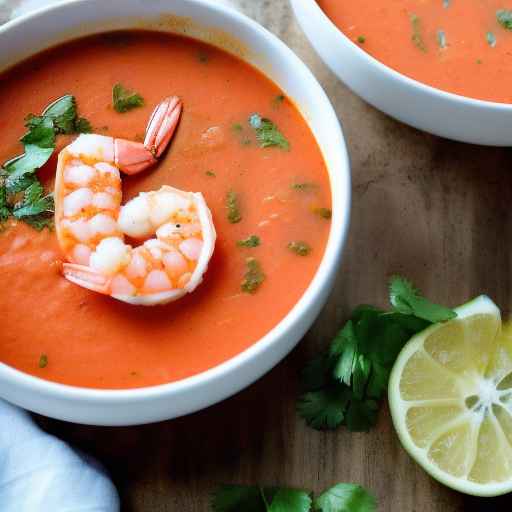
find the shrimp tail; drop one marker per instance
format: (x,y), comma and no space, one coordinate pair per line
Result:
(162,124)
(86,277)
(134,157)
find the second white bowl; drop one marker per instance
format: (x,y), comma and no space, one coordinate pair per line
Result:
(412,102)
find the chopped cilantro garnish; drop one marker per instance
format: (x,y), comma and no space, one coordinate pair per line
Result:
(342,497)
(210,173)
(251,241)
(125,100)
(43,361)
(417,37)
(82,125)
(504,17)
(299,248)
(234,215)
(4,207)
(325,213)
(253,277)
(267,132)
(34,202)
(237,127)
(491,39)
(18,175)
(305,186)
(361,39)
(278,100)
(343,385)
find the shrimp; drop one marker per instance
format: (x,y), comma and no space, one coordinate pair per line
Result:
(174,228)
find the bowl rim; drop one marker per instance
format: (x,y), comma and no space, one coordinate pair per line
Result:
(397,75)
(340,183)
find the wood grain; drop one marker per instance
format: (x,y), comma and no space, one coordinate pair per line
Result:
(434,210)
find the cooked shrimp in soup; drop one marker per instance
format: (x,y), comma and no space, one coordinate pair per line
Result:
(175,228)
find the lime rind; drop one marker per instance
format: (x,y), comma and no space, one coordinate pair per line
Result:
(399,408)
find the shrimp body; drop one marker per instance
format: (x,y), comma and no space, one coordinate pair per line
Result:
(164,267)
(174,228)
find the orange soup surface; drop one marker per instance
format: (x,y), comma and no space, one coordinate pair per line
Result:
(460,46)
(56,330)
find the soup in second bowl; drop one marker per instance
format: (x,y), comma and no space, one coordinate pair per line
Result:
(460,46)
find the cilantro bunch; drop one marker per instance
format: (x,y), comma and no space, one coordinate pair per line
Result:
(21,193)
(344,385)
(342,497)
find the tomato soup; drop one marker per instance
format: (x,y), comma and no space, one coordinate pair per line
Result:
(56,330)
(460,46)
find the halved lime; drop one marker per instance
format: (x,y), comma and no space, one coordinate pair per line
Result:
(450,395)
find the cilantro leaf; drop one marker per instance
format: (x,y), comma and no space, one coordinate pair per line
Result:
(82,125)
(251,241)
(234,215)
(124,100)
(41,134)
(361,414)
(345,498)
(253,277)
(268,133)
(345,383)
(342,497)
(290,500)
(33,158)
(41,221)
(63,114)
(19,173)
(43,361)
(325,213)
(34,203)
(299,248)
(407,299)
(4,207)
(237,498)
(504,17)
(344,347)
(324,409)
(20,183)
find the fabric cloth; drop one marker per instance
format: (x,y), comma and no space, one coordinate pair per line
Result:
(38,472)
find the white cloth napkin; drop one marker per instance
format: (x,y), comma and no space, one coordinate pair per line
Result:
(40,473)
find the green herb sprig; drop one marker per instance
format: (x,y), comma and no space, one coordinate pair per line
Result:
(417,36)
(504,17)
(342,497)
(343,385)
(21,193)
(234,215)
(250,241)
(124,99)
(268,133)
(300,248)
(253,277)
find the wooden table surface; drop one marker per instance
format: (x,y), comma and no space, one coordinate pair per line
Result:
(434,210)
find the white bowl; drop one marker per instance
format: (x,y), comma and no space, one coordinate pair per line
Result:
(238,34)
(412,102)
